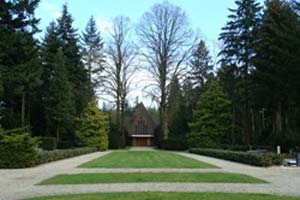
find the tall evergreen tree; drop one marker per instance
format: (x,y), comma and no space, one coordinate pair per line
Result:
(212,118)
(201,66)
(70,47)
(93,54)
(50,46)
(60,104)
(277,66)
(239,36)
(19,59)
(176,122)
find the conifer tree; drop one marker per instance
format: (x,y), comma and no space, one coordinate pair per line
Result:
(239,36)
(93,54)
(177,122)
(70,47)
(212,118)
(201,66)
(93,127)
(19,59)
(277,61)
(60,104)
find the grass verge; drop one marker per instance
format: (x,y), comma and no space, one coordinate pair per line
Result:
(151,177)
(145,159)
(166,196)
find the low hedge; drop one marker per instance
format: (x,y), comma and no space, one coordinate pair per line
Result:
(256,159)
(17,150)
(50,156)
(238,147)
(48,143)
(175,144)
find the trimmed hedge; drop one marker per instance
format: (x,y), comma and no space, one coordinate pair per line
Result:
(238,147)
(256,159)
(17,150)
(48,143)
(50,156)
(178,143)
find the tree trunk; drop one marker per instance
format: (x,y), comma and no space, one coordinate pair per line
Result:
(58,133)
(23,109)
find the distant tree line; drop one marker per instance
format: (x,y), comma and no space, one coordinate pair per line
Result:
(248,95)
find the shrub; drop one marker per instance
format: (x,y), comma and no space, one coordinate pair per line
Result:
(17,150)
(48,143)
(175,143)
(256,159)
(93,127)
(212,118)
(238,147)
(66,144)
(50,156)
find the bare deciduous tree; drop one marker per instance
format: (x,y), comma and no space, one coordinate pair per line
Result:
(166,42)
(120,67)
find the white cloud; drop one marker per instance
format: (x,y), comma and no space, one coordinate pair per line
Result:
(52,9)
(104,25)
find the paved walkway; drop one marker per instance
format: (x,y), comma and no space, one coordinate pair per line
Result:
(18,184)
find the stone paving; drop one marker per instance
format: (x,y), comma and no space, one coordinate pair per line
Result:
(21,183)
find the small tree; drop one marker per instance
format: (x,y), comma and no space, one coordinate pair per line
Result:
(212,118)
(93,127)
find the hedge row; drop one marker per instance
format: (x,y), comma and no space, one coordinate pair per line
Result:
(50,156)
(17,151)
(237,147)
(256,159)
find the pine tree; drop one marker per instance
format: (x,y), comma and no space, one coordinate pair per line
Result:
(19,59)
(201,66)
(60,105)
(93,127)
(77,73)
(239,36)
(93,54)
(176,122)
(212,118)
(277,61)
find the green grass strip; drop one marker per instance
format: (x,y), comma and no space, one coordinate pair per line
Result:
(145,159)
(151,177)
(166,196)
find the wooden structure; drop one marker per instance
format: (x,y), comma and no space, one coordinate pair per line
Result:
(140,127)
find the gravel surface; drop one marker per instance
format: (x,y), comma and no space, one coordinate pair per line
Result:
(19,184)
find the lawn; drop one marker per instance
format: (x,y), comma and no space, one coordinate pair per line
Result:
(166,196)
(151,177)
(145,159)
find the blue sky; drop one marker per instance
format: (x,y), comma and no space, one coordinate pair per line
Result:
(206,16)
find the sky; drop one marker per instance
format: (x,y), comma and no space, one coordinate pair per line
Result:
(205,16)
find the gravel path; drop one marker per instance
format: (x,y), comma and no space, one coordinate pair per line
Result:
(18,184)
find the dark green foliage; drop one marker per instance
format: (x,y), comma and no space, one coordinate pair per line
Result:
(178,124)
(239,147)
(201,66)
(19,61)
(93,127)
(60,104)
(175,143)
(50,156)
(277,70)
(93,54)
(212,118)
(70,47)
(48,143)
(17,150)
(256,159)
(239,37)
